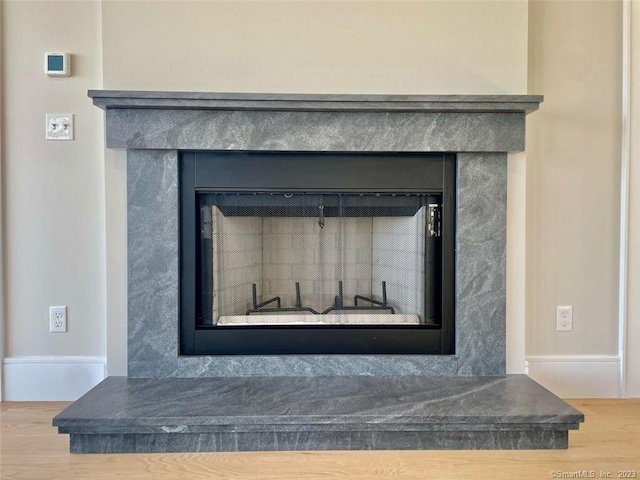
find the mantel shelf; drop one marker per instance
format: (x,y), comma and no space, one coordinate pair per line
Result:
(124,99)
(314,123)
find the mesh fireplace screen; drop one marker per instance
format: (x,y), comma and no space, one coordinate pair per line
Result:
(294,258)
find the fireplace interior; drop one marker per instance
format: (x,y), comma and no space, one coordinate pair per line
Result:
(307,253)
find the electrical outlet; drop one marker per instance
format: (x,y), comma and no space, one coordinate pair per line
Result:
(58,319)
(564,318)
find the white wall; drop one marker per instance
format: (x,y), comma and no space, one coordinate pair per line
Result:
(352,47)
(632,387)
(53,191)
(116,265)
(516,262)
(1,226)
(316,46)
(573,181)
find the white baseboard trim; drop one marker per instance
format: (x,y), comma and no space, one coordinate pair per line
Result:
(68,378)
(577,376)
(51,378)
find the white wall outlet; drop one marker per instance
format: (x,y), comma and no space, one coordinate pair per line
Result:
(58,319)
(564,318)
(59,126)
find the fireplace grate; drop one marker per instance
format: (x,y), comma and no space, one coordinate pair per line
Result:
(338,304)
(260,307)
(375,305)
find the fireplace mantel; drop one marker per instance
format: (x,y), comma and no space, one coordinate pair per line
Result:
(107,99)
(304,122)
(154,127)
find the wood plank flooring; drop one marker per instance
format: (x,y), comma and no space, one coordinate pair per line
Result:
(608,441)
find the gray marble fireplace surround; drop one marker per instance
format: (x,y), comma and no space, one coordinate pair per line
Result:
(155,126)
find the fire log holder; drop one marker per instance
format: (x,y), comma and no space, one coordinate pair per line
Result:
(259,307)
(376,305)
(338,304)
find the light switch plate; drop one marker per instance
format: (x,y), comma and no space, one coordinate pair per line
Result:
(59,126)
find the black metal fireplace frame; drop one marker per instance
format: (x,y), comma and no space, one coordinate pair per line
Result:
(322,172)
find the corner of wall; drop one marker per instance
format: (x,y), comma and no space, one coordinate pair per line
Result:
(631,323)
(1,208)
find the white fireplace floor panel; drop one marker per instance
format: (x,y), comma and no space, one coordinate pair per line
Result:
(328,319)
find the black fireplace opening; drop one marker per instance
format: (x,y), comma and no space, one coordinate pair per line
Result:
(316,253)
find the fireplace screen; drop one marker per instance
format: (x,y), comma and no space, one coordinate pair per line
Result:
(338,258)
(316,253)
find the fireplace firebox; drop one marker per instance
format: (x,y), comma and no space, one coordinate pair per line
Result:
(316,253)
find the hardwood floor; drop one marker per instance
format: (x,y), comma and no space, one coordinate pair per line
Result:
(608,441)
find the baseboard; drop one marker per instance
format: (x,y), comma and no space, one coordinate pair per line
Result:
(51,378)
(577,376)
(68,378)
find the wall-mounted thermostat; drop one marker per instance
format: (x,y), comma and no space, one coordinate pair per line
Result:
(57,64)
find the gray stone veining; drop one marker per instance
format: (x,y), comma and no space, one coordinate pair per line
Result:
(315,402)
(154,135)
(171,402)
(302,122)
(295,413)
(152,253)
(319,440)
(154,295)
(481,263)
(107,99)
(361,131)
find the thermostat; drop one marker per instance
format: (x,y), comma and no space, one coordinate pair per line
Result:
(57,64)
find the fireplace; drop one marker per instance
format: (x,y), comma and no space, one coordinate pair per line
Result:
(160,129)
(298,253)
(270,243)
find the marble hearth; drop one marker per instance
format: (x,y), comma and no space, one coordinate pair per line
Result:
(326,401)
